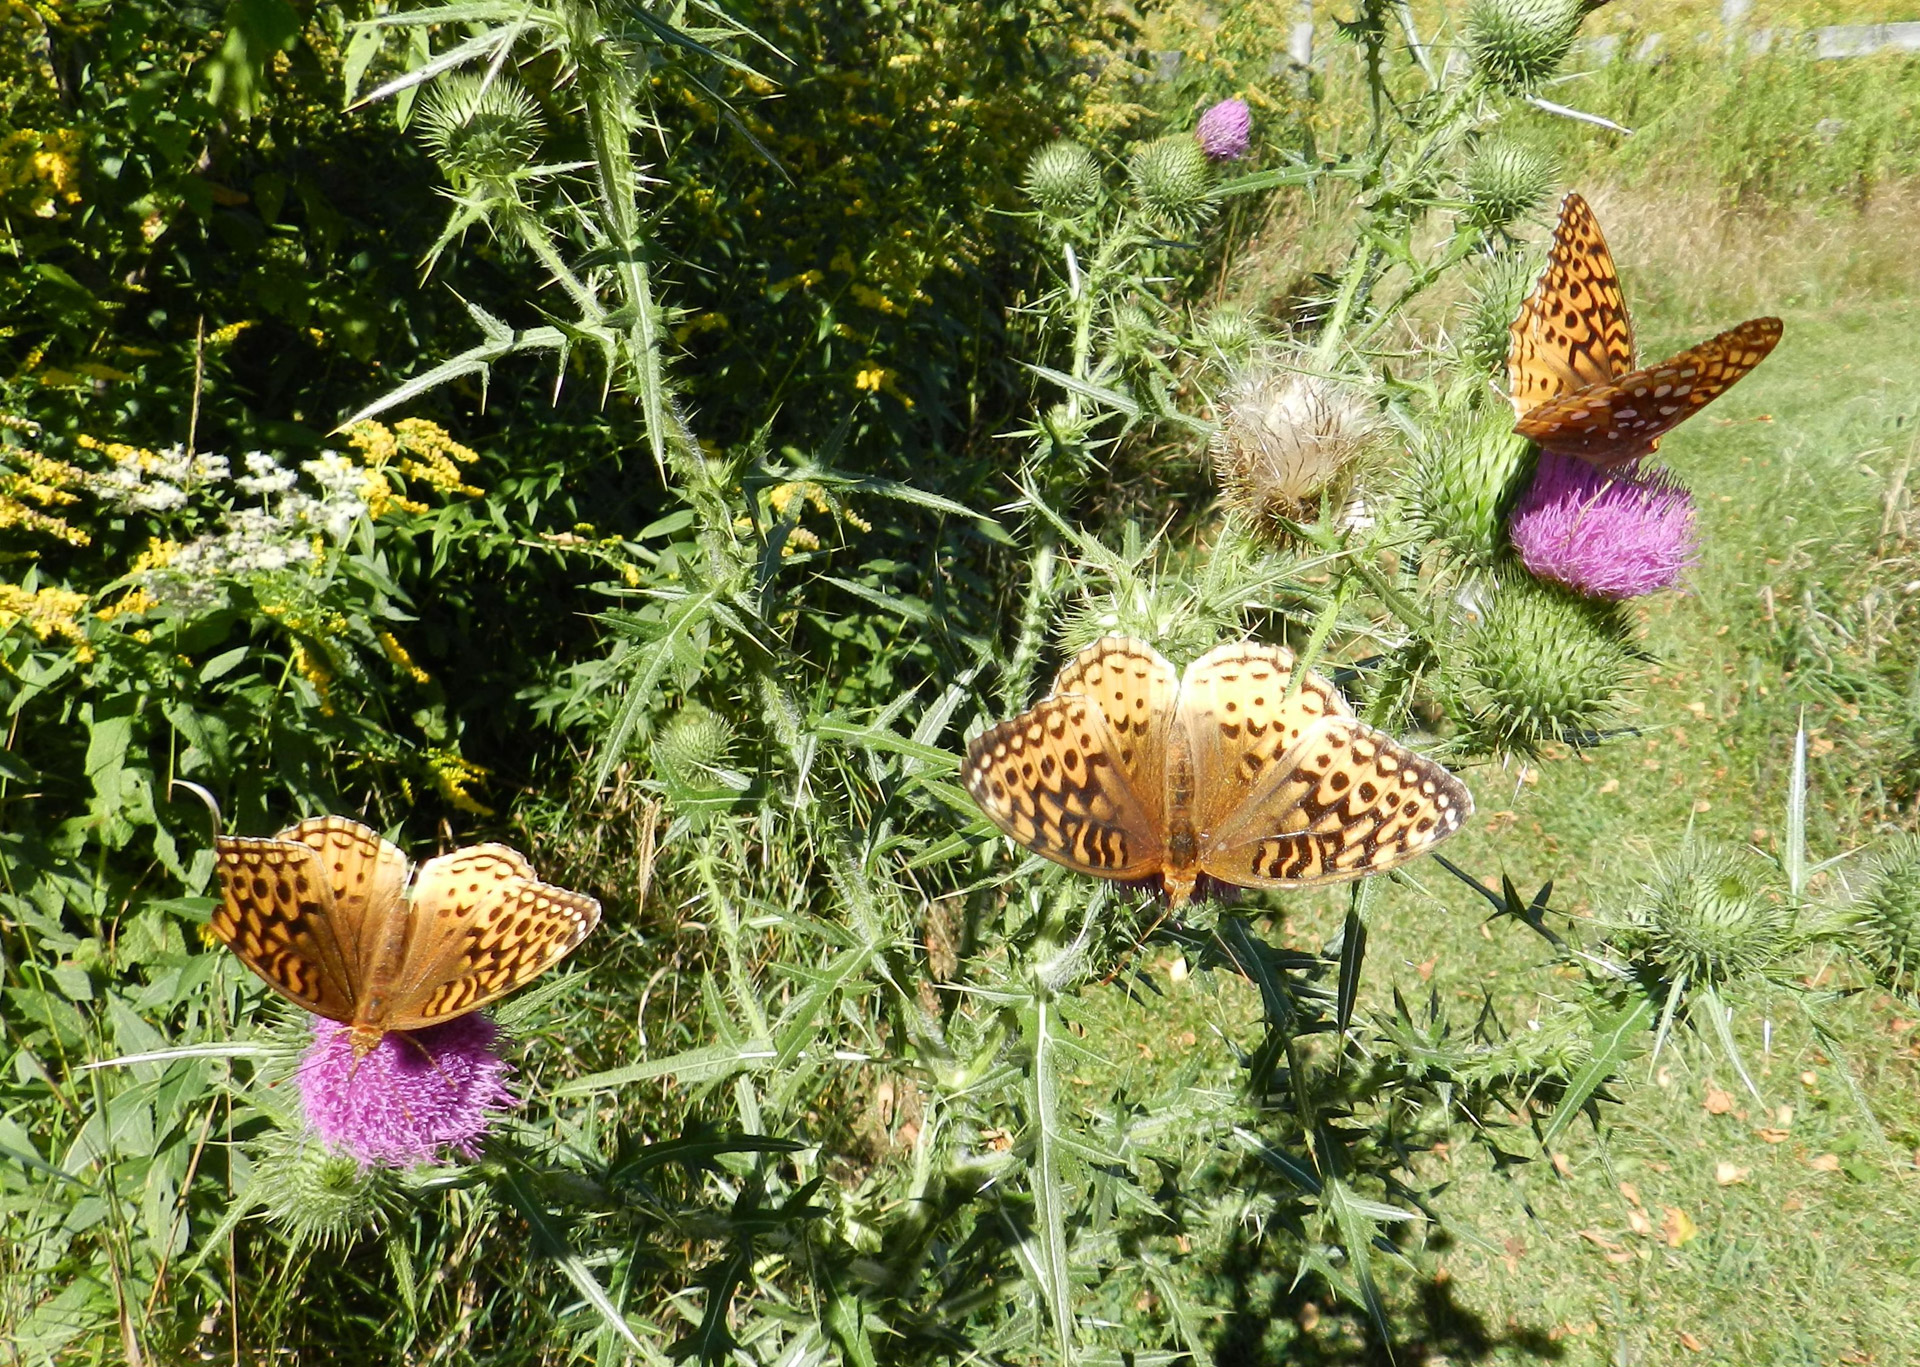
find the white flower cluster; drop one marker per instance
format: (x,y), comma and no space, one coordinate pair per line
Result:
(157,481)
(285,529)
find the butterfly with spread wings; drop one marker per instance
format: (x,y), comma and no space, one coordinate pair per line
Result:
(327,914)
(1570,358)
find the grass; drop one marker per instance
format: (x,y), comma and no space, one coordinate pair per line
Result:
(1697,1224)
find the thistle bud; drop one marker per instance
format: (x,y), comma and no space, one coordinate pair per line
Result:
(1170,178)
(1063,179)
(1710,914)
(1516,45)
(1505,180)
(1499,290)
(1286,441)
(1539,665)
(1885,923)
(688,749)
(322,1195)
(481,129)
(1465,477)
(1229,333)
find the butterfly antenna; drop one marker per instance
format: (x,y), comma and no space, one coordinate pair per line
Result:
(213,803)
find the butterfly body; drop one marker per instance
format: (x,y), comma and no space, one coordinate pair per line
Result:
(326,914)
(1242,769)
(1571,372)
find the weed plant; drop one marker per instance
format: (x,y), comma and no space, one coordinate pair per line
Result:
(872,402)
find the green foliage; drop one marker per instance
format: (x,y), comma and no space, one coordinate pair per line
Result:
(869,397)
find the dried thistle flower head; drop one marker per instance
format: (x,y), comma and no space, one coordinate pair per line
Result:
(1516,45)
(1539,665)
(1063,179)
(481,128)
(1171,179)
(1607,536)
(1504,180)
(1288,439)
(1710,914)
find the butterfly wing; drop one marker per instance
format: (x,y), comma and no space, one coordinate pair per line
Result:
(1243,713)
(1053,780)
(276,914)
(1343,802)
(367,877)
(1621,420)
(1136,689)
(482,926)
(1573,330)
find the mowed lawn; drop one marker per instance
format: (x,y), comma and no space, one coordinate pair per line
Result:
(1697,1224)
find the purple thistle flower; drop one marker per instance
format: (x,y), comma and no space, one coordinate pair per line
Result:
(417,1093)
(1225,131)
(1604,536)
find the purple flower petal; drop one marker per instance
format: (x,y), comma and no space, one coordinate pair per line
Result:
(1225,131)
(418,1092)
(1604,536)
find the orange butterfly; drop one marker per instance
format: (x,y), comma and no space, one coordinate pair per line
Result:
(1570,367)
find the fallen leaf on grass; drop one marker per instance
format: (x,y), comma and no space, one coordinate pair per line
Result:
(1614,1253)
(1562,1165)
(1826,1162)
(1726,1174)
(1718,1102)
(1773,1136)
(1692,1344)
(1632,1193)
(1678,1227)
(1638,1222)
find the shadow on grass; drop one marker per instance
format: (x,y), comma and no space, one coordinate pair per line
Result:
(1270,1321)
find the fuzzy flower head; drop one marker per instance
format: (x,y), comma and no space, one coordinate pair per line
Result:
(1286,439)
(1603,536)
(1225,131)
(418,1093)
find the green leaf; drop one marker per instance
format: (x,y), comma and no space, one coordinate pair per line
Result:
(1615,1041)
(691,1066)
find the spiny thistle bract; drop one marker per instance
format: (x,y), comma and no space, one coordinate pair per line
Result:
(322,1195)
(1709,914)
(1500,287)
(1606,536)
(1170,178)
(1063,179)
(691,746)
(1884,925)
(1286,441)
(1539,665)
(1505,180)
(1228,333)
(1466,473)
(481,129)
(1516,45)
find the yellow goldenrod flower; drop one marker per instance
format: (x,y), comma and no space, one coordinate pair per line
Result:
(398,654)
(452,774)
(49,613)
